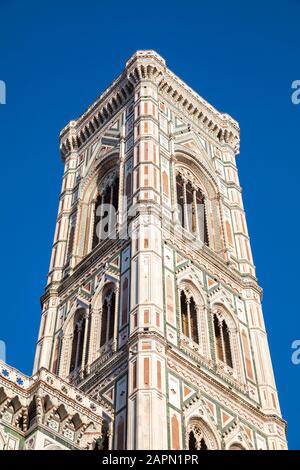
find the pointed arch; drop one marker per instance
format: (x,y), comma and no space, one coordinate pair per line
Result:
(192,212)
(79,304)
(193,315)
(108,315)
(100,170)
(74,340)
(189,316)
(238,438)
(79,326)
(98,330)
(236,446)
(198,171)
(227,343)
(222,339)
(106,207)
(203,219)
(200,436)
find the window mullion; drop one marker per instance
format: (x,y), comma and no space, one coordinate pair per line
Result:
(222,342)
(195,215)
(78,326)
(107,322)
(189,318)
(186,218)
(101,220)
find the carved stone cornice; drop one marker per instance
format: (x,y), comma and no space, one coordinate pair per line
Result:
(148,65)
(45,386)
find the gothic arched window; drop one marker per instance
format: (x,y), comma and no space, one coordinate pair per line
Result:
(32,413)
(196,444)
(192,441)
(199,436)
(106,208)
(189,320)
(108,316)
(191,207)
(77,341)
(222,340)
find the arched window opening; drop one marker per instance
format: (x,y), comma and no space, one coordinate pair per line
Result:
(218,338)
(184,314)
(77,341)
(192,441)
(191,220)
(194,322)
(222,341)
(47,404)
(21,421)
(189,318)
(32,413)
(180,200)
(106,207)
(191,208)
(105,442)
(203,445)
(108,316)
(227,348)
(201,215)
(196,437)
(104,323)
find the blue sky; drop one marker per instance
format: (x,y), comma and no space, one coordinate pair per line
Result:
(56,57)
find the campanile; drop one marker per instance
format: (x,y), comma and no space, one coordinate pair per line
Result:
(152,306)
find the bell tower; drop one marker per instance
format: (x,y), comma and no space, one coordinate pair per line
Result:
(152,306)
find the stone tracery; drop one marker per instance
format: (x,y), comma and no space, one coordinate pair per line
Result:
(199,436)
